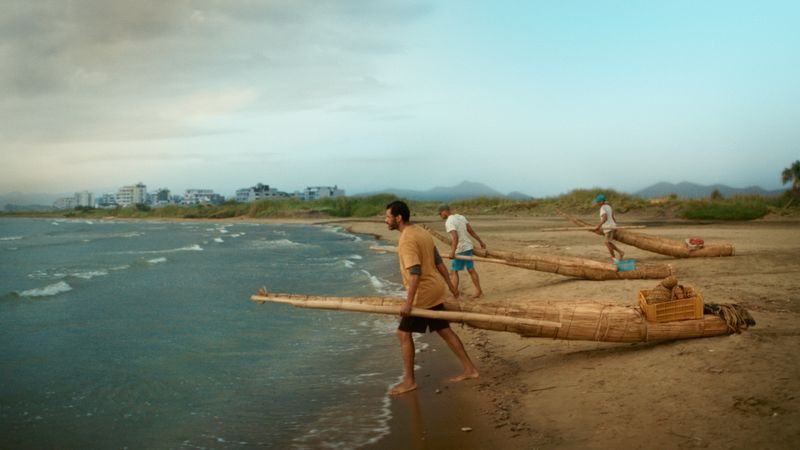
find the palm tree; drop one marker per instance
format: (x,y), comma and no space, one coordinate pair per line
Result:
(792,174)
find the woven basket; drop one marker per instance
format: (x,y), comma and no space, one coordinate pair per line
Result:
(671,310)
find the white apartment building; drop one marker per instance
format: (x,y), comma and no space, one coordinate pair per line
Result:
(258,192)
(131,195)
(84,198)
(201,197)
(318,192)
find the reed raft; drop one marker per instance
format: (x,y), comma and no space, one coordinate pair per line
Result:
(566,265)
(568,320)
(663,246)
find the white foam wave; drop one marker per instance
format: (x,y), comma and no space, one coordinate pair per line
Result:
(278,243)
(157,260)
(385,287)
(342,232)
(129,235)
(10,238)
(47,291)
(218,240)
(190,248)
(349,264)
(89,275)
(355,257)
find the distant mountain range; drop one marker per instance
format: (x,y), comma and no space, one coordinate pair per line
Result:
(692,190)
(469,189)
(461,191)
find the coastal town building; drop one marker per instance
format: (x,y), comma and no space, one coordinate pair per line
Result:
(65,203)
(132,195)
(202,197)
(259,192)
(84,198)
(160,197)
(107,201)
(318,192)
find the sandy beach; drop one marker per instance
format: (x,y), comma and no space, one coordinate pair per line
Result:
(737,391)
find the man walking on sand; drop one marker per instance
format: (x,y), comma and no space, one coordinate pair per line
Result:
(426,280)
(609,225)
(460,244)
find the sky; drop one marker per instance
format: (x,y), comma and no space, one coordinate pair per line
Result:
(539,97)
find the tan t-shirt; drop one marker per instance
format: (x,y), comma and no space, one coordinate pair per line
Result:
(416,247)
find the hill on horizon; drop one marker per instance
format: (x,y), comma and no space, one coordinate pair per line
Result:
(686,189)
(462,191)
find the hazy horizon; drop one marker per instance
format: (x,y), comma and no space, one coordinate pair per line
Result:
(539,98)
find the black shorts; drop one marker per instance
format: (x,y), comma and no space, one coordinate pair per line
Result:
(412,324)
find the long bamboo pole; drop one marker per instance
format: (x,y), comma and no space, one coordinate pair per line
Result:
(628,227)
(454,316)
(567,320)
(568,266)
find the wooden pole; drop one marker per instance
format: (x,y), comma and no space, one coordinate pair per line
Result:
(627,227)
(454,316)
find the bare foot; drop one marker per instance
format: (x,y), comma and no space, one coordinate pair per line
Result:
(402,388)
(465,376)
(478,295)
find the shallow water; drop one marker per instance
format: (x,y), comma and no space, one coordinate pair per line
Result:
(142,335)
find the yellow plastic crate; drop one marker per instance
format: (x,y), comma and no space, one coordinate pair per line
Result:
(669,311)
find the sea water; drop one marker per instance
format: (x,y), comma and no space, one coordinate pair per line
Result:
(142,335)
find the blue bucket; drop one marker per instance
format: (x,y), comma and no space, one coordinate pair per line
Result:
(625,265)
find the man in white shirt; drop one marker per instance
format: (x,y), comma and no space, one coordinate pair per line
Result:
(460,244)
(609,225)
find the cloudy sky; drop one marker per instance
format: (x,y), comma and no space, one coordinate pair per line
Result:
(540,97)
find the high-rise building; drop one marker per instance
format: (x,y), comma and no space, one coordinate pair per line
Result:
(132,195)
(84,198)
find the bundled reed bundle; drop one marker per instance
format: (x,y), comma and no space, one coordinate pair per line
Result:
(566,265)
(570,320)
(663,246)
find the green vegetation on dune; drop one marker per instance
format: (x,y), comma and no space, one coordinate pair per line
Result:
(577,202)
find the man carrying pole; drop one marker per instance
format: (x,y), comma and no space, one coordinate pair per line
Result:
(460,244)
(426,280)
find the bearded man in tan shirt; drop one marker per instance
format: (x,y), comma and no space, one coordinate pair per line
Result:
(426,280)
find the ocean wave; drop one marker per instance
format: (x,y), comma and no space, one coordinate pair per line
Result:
(189,248)
(218,240)
(11,238)
(341,232)
(385,287)
(68,273)
(355,257)
(47,291)
(278,243)
(89,274)
(349,264)
(157,260)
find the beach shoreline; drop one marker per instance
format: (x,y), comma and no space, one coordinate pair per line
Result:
(737,391)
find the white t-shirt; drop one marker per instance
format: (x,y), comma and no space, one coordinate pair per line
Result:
(609,224)
(459,223)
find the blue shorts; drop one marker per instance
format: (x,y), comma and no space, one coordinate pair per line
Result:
(460,264)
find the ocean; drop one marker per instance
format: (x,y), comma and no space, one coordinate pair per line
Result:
(119,334)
